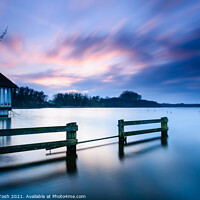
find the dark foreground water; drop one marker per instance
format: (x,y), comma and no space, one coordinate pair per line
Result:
(150,169)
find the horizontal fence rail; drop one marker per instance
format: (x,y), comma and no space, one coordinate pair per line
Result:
(153,130)
(37,130)
(139,122)
(28,147)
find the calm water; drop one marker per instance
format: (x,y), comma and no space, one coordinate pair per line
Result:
(104,170)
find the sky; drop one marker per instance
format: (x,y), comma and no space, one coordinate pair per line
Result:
(104,47)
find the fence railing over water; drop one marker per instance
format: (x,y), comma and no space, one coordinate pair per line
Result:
(71,135)
(122,123)
(70,141)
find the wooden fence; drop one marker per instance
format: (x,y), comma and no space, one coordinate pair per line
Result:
(122,134)
(70,141)
(71,135)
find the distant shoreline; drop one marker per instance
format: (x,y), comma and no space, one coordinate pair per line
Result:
(26,97)
(160,106)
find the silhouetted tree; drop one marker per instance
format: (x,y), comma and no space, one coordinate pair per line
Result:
(130,96)
(25,97)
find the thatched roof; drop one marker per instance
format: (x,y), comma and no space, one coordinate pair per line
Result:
(5,82)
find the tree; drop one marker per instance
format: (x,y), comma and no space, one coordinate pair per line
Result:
(25,97)
(3,34)
(130,96)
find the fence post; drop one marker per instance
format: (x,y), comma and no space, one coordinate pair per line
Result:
(121,130)
(121,150)
(164,127)
(71,137)
(71,163)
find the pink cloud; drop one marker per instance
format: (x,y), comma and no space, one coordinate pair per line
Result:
(12,43)
(72,59)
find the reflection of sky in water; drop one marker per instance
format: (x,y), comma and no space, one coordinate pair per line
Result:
(142,170)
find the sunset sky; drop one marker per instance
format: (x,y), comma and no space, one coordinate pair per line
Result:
(103,47)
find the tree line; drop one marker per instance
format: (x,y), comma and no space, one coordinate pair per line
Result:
(25,97)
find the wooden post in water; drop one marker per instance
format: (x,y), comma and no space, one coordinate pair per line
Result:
(71,163)
(121,130)
(71,138)
(164,141)
(164,126)
(121,150)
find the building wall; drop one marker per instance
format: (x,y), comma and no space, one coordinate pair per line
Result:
(3,112)
(5,123)
(5,101)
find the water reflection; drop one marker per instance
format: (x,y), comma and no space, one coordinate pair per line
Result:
(71,166)
(36,172)
(32,179)
(121,146)
(5,123)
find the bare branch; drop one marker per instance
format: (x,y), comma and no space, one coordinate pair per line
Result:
(3,34)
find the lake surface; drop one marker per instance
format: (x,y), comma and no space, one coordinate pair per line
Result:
(104,170)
